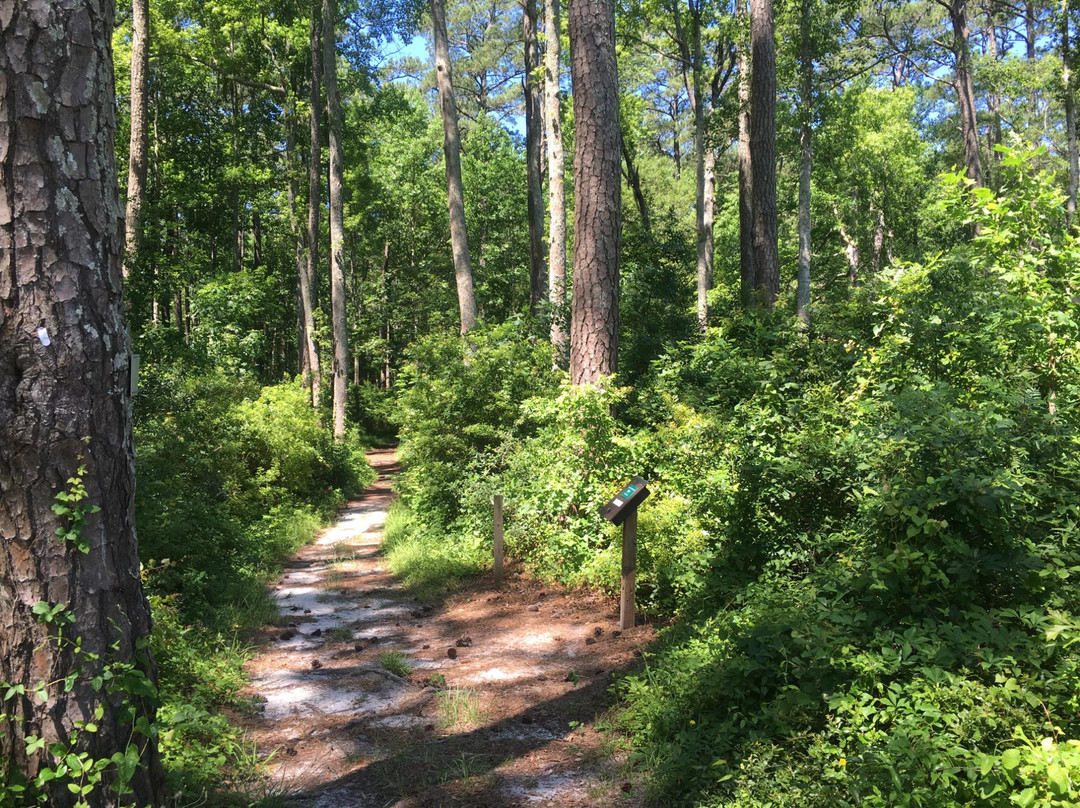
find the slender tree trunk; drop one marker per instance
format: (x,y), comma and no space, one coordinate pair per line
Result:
(64,401)
(459,241)
(1069,93)
(556,191)
(314,202)
(965,91)
(139,142)
(704,227)
(851,249)
(747,275)
(763,151)
(594,318)
(338,321)
(1030,35)
(533,159)
(633,179)
(710,219)
(806,66)
(307,354)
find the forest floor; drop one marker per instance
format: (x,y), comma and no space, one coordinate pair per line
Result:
(494,704)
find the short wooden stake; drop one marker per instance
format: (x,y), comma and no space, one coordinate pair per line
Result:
(629,570)
(498,539)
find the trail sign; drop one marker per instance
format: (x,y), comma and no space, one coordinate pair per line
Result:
(627,500)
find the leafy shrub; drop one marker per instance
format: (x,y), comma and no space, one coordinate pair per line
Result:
(891,531)
(459,400)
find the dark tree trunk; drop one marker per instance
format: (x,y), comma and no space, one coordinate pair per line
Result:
(65,404)
(459,241)
(633,179)
(533,160)
(139,142)
(965,90)
(556,190)
(763,151)
(594,317)
(338,321)
(314,202)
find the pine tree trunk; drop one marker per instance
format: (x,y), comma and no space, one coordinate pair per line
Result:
(459,241)
(65,404)
(556,190)
(806,157)
(594,317)
(533,160)
(314,201)
(338,321)
(763,151)
(139,142)
(747,276)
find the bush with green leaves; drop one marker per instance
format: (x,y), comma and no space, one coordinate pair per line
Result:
(887,609)
(458,400)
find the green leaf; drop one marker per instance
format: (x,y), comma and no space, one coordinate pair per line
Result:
(1010,759)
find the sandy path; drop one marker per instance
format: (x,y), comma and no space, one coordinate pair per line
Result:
(495,710)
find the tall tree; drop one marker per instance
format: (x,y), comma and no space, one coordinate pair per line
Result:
(964,84)
(556,190)
(534,158)
(763,151)
(139,143)
(310,282)
(339,327)
(594,316)
(64,401)
(459,242)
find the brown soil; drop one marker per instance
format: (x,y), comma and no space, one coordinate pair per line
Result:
(498,707)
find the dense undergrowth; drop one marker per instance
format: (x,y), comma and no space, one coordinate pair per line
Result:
(232,478)
(868,532)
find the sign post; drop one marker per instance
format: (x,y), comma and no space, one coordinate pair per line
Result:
(622,510)
(498,539)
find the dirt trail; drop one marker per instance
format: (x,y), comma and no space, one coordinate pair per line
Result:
(494,712)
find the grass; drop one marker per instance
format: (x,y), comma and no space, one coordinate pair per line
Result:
(427,564)
(396,662)
(459,706)
(342,633)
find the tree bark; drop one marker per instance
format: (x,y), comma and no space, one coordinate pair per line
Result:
(1069,92)
(556,190)
(806,157)
(747,276)
(459,242)
(965,91)
(338,321)
(65,404)
(314,201)
(633,179)
(763,151)
(534,159)
(139,142)
(594,317)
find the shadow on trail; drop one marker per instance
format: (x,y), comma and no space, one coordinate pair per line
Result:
(453,770)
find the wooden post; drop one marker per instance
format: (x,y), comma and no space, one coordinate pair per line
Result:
(498,539)
(629,570)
